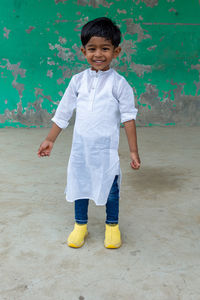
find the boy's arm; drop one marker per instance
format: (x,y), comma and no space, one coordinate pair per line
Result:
(130,129)
(61,118)
(53,133)
(47,145)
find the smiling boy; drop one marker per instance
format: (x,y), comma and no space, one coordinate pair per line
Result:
(100,52)
(102,99)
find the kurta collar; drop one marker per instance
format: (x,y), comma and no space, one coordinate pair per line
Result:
(99,73)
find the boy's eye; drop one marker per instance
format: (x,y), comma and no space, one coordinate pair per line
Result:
(104,49)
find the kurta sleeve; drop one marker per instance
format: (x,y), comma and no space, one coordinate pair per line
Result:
(66,106)
(126,101)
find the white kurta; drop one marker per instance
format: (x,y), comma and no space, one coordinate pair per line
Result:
(102,100)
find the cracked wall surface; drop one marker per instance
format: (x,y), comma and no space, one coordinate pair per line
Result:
(40,51)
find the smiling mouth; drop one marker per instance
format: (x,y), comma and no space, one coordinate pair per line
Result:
(98,61)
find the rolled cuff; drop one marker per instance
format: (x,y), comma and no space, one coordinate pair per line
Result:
(60,123)
(128,116)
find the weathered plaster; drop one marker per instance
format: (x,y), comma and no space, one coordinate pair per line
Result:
(128,49)
(62,1)
(123,11)
(171,111)
(173,9)
(152,47)
(64,53)
(150,3)
(94,3)
(141,69)
(197,83)
(135,28)
(30,29)
(50,73)
(40,95)
(7,31)
(40,52)
(16,71)
(62,40)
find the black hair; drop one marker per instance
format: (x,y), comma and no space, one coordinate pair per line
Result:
(101,27)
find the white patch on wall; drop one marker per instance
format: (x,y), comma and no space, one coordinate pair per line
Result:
(50,73)
(6,33)
(62,40)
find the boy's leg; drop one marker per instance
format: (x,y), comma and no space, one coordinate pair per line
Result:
(81,211)
(77,237)
(112,233)
(112,205)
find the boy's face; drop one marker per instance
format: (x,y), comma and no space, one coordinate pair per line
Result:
(99,53)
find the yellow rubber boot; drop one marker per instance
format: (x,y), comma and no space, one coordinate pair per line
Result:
(112,237)
(77,237)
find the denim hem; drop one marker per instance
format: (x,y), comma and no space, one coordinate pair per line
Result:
(111,222)
(81,221)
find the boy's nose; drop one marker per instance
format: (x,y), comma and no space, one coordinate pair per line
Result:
(98,53)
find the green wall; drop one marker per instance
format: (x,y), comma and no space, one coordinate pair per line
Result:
(40,50)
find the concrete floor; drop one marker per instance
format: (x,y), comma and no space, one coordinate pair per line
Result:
(159,221)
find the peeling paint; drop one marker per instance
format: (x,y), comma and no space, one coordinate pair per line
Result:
(94,3)
(60,1)
(60,21)
(195,67)
(157,57)
(51,63)
(128,48)
(50,73)
(123,11)
(141,69)
(19,87)
(152,48)
(64,53)
(172,9)
(150,3)
(39,93)
(135,28)
(176,24)
(30,29)
(171,111)
(7,31)
(62,40)
(197,83)
(66,73)
(30,116)
(16,71)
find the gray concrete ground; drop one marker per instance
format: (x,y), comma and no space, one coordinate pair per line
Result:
(159,221)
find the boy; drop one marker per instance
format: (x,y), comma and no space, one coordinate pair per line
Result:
(102,98)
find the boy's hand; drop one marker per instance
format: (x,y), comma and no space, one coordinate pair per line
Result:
(135,164)
(45,148)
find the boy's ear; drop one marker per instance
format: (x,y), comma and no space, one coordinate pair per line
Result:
(83,50)
(117,51)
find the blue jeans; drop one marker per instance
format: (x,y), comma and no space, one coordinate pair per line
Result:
(112,207)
